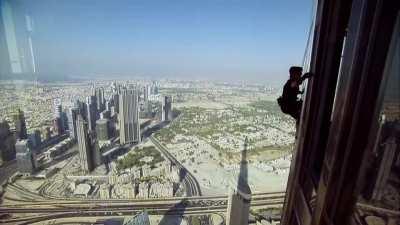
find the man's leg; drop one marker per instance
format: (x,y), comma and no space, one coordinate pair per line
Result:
(299,104)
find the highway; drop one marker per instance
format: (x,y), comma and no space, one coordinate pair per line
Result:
(51,209)
(27,197)
(192,185)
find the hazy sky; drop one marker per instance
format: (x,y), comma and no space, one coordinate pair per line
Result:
(254,40)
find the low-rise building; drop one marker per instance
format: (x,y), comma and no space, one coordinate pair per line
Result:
(82,190)
(104,191)
(143,190)
(158,190)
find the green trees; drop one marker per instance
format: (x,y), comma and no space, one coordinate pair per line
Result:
(133,158)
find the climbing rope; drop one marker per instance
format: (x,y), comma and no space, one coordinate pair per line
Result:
(307,51)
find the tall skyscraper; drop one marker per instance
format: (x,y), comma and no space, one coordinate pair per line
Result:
(166,113)
(116,102)
(26,158)
(72,116)
(99,94)
(92,115)
(146,93)
(7,142)
(57,126)
(129,117)
(20,125)
(81,106)
(240,196)
(84,145)
(60,120)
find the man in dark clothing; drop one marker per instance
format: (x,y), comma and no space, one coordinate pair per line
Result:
(289,102)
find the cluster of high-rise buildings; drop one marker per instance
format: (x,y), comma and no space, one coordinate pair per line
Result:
(91,123)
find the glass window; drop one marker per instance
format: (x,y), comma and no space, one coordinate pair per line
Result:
(380,198)
(115,102)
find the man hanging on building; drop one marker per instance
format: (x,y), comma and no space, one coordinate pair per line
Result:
(289,102)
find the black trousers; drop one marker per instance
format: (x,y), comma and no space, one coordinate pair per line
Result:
(294,109)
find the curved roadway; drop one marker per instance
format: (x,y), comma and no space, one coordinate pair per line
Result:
(192,185)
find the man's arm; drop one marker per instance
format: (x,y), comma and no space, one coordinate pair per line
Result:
(305,76)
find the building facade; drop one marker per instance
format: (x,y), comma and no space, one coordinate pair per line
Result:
(20,125)
(26,158)
(103,129)
(7,143)
(84,145)
(72,117)
(129,117)
(92,115)
(166,114)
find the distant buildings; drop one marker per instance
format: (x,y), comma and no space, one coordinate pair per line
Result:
(20,125)
(154,88)
(129,117)
(7,143)
(166,114)
(26,158)
(84,145)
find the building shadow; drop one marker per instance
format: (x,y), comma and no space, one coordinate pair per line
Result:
(151,130)
(174,215)
(243,184)
(182,174)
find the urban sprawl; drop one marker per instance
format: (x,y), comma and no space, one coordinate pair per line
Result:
(140,139)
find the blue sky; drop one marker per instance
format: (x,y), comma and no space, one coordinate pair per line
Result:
(251,40)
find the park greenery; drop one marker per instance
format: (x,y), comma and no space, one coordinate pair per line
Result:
(135,156)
